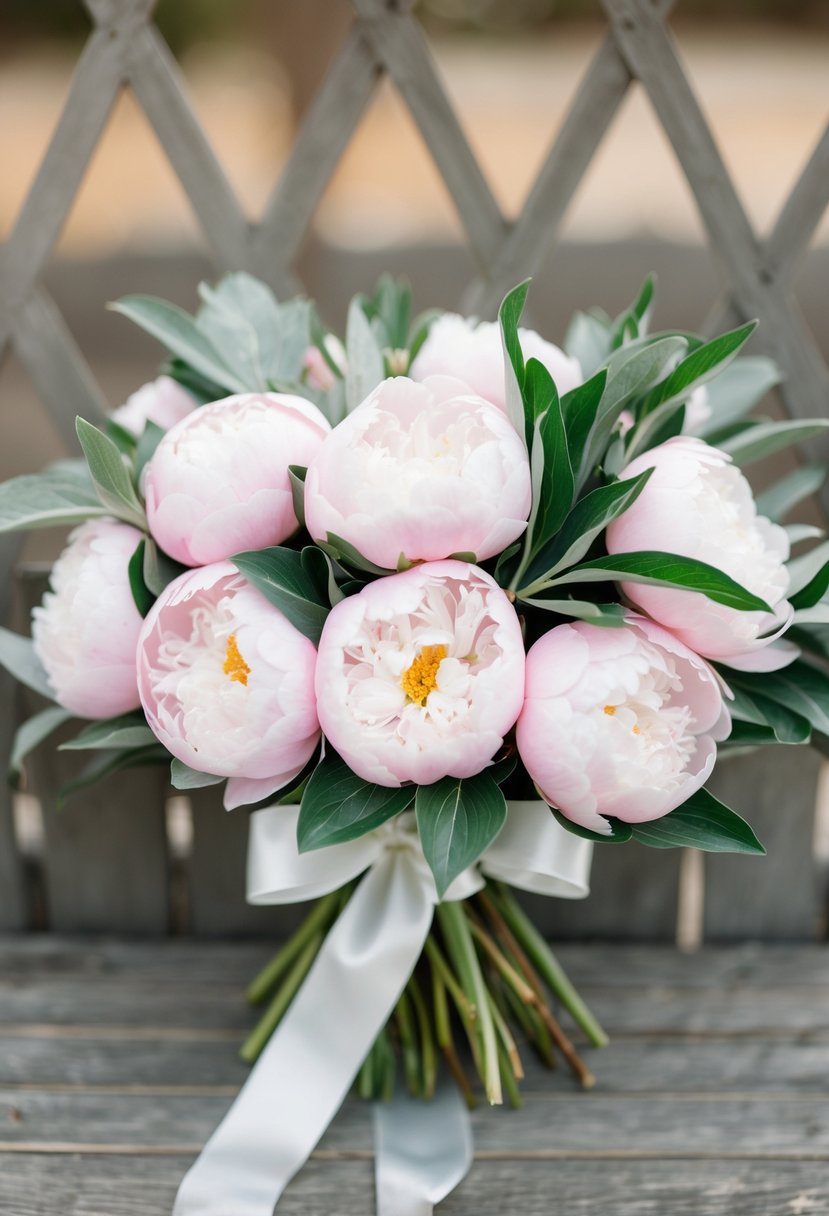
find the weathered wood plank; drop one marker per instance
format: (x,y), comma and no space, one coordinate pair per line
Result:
(778,1127)
(132,1063)
(14,911)
(780,895)
(142,1185)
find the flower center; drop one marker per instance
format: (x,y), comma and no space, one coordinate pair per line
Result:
(234,665)
(421,678)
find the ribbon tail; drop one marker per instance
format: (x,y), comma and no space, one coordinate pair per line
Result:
(422,1152)
(308,1066)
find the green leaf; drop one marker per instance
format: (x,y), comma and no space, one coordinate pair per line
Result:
(587,520)
(665,569)
(509,314)
(619,832)
(141,594)
(281,577)
(809,577)
(579,408)
(365,368)
(702,822)
(776,502)
(261,341)
(44,500)
(296,475)
(176,330)
(109,474)
(754,707)
(552,476)
(457,821)
(183,777)
(17,655)
(610,615)
(337,805)
(737,388)
(125,731)
(341,549)
(802,688)
(111,762)
(588,340)
(145,449)
(766,438)
(159,569)
(663,423)
(700,365)
(32,733)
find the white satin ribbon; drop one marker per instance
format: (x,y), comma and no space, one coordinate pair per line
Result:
(309,1064)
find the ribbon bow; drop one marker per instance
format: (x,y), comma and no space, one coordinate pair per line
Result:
(364,964)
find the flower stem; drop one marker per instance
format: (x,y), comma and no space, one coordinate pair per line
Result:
(548,966)
(508,1077)
(272,1016)
(443,1034)
(506,1039)
(318,920)
(428,1054)
(456,933)
(465,1008)
(408,1045)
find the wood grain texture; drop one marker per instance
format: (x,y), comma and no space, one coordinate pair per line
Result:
(103,1121)
(14,910)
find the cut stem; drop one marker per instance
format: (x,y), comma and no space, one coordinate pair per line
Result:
(317,921)
(428,1054)
(272,1016)
(459,942)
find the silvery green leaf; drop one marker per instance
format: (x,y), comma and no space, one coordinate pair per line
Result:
(365,366)
(43,500)
(769,437)
(18,656)
(588,340)
(802,570)
(125,731)
(110,475)
(783,497)
(32,733)
(182,777)
(737,388)
(176,330)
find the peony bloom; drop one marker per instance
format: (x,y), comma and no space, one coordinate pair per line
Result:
(421,674)
(85,631)
(618,722)
(317,372)
(698,504)
(218,481)
(423,470)
(227,683)
(460,346)
(162,401)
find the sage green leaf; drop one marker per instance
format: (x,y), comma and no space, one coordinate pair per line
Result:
(180,334)
(781,498)
(32,733)
(703,822)
(737,388)
(182,777)
(111,762)
(125,731)
(619,833)
(457,821)
(296,475)
(610,615)
(766,438)
(809,576)
(44,500)
(337,805)
(109,474)
(760,710)
(159,569)
(343,550)
(365,368)
(588,340)
(800,687)
(281,577)
(579,408)
(151,437)
(665,569)
(17,655)
(700,365)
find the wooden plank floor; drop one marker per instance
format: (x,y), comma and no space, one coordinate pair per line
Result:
(117,1059)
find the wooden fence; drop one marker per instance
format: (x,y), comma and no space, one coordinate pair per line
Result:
(130,858)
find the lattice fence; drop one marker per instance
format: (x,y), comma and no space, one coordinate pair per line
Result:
(125,50)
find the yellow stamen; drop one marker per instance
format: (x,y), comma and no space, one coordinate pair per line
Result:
(636,730)
(610,710)
(234,665)
(421,678)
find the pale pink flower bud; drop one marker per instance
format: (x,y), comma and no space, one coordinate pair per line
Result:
(86,630)
(162,401)
(698,504)
(618,722)
(317,371)
(420,470)
(421,674)
(218,481)
(460,346)
(227,683)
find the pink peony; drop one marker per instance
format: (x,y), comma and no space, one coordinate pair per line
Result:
(420,470)
(218,481)
(460,346)
(227,683)
(86,630)
(698,504)
(421,674)
(618,722)
(162,401)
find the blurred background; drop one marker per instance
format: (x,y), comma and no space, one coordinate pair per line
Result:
(511,67)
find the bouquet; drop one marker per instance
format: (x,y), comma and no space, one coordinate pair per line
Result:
(443,606)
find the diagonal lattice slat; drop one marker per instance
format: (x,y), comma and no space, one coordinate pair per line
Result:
(125,50)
